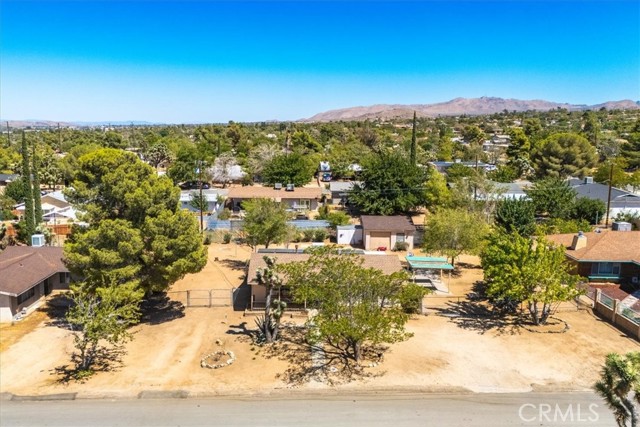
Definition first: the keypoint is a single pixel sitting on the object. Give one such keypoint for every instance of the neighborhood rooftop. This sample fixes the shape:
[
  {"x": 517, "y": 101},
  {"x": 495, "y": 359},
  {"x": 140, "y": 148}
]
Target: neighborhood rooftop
[
  {"x": 252, "y": 192},
  {"x": 22, "y": 267},
  {"x": 386, "y": 223},
  {"x": 386, "y": 263},
  {"x": 611, "y": 246}
]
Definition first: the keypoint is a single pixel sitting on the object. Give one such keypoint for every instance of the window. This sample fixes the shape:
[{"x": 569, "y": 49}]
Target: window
[
  {"x": 63, "y": 278},
  {"x": 26, "y": 295},
  {"x": 605, "y": 268},
  {"x": 400, "y": 238}
]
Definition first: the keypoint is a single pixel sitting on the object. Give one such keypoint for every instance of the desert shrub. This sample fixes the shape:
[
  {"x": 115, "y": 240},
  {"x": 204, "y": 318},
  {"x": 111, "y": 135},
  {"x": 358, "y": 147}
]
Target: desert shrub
[
  {"x": 207, "y": 240},
  {"x": 401, "y": 246},
  {"x": 320, "y": 234},
  {"x": 307, "y": 234},
  {"x": 225, "y": 214},
  {"x": 411, "y": 298},
  {"x": 564, "y": 226},
  {"x": 226, "y": 237},
  {"x": 323, "y": 212}
]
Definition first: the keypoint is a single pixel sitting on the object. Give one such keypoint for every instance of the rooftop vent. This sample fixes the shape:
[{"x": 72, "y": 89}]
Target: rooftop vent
[
  {"x": 289, "y": 187},
  {"x": 277, "y": 186},
  {"x": 588, "y": 180}
]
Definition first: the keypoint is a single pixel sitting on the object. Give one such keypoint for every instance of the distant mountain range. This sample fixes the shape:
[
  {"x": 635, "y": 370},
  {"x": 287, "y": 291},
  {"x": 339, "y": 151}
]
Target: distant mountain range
[
  {"x": 19, "y": 124},
  {"x": 459, "y": 106}
]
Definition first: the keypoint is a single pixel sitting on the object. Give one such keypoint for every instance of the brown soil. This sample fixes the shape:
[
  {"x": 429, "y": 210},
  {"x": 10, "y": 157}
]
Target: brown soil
[{"x": 445, "y": 352}]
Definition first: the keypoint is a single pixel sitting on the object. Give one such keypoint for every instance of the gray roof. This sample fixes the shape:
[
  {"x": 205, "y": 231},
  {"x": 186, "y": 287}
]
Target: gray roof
[
  {"x": 8, "y": 177},
  {"x": 596, "y": 190},
  {"x": 341, "y": 186},
  {"x": 386, "y": 223}
]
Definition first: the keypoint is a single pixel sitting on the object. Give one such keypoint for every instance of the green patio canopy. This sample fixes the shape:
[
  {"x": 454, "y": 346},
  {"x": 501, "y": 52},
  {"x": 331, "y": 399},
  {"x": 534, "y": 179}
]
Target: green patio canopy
[{"x": 428, "y": 263}]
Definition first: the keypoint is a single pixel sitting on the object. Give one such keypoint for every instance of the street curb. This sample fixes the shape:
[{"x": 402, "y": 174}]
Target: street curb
[
  {"x": 5, "y": 396},
  {"x": 163, "y": 394},
  {"x": 45, "y": 397}
]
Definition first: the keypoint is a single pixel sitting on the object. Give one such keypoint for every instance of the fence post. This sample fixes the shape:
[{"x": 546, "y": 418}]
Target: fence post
[
  {"x": 210, "y": 290},
  {"x": 615, "y": 311},
  {"x": 188, "y": 298}
]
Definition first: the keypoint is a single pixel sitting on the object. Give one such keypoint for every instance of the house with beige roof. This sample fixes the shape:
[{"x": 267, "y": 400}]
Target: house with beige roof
[
  {"x": 388, "y": 264},
  {"x": 604, "y": 256},
  {"x": 27, "y": 275},
  {"x": 299, "y": 199}
]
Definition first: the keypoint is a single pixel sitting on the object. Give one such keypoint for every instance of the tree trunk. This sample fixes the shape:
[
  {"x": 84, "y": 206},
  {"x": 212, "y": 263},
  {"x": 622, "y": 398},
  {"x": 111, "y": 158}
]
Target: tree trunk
[
  {"x": 357, "y": 351},
  {"x": 533, "y": 310},
  {"x": 546, "y": 312}
]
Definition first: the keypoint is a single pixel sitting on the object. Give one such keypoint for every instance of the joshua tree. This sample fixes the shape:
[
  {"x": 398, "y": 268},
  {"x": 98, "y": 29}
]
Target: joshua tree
[{"x": 619, "y": 385}]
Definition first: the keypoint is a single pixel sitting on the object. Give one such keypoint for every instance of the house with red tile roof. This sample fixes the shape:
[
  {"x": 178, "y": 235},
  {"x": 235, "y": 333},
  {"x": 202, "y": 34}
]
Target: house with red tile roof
[{"x": 27, "y": 275}]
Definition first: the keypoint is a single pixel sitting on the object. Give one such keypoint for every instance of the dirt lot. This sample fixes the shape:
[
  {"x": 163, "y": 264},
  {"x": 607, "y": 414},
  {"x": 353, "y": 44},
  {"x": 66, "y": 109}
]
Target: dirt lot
[{"x": 444, "y": 353}]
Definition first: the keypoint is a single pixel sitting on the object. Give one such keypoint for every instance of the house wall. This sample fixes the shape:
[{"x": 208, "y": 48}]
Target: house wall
[
  {"x": 627, "y": 270},
  {"x": 259, "y": 293},
  {"x": 212, "y": 206},
  {"x": 313, "y": 203},
  {"x": 9, "y": 306},
  {"x": 385, "y": 238},
  {"x": 349, "y": 235}
]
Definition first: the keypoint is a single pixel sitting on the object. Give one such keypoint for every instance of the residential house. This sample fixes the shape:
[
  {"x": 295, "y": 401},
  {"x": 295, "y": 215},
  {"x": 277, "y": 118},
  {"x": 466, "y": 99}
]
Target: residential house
[
  {"x": 299, "y": 199},
  {"x": 385, "y": 231},
  {"x": 496, "y": 143},
  {"x": 6, "y": 178},
  {"x": 388, "y": 264},
  {"x": 605, "y": 256},
  {"x": 442, "y": 166},
  {"x": 212, "y": 195},
  {"x": 621, "y": 201},
  {"x": 340, "y": 191},
  {"x": 502, "y": 190},
  {"x": 27, "y": 275}
]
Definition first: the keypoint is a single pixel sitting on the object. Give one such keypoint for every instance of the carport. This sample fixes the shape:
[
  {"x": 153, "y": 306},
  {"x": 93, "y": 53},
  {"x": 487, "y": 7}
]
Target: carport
[{"x": 428, "y": 271}]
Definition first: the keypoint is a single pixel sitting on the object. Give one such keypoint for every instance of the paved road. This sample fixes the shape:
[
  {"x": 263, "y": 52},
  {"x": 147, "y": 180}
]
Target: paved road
[{"x": 486, "y": 410}]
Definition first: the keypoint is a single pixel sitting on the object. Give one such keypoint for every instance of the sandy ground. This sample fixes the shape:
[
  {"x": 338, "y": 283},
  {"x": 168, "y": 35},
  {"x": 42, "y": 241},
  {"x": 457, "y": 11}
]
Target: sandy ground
[{"x": 445, "y": 353}]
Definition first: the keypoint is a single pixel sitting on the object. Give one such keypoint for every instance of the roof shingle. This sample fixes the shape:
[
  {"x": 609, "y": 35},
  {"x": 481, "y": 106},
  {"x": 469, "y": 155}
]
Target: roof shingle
[
  {"x": 619, "y": 246},
  {"x": 22, "y": 267},
  {"x": 386, "y": 223}
]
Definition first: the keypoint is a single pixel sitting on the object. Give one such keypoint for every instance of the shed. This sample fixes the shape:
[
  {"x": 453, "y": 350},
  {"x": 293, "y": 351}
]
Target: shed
[{"x": 386, "y": 231}]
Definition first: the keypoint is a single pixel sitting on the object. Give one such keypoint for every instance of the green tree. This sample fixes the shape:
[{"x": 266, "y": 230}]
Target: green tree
[
  {"x": 198, "y": 202},
  {"x": 291, "y": 168},
  {"x": 357, "y": 306},
  {"x": 452, "y": 232},
  {"x": 98, "y": 319},
  {"x": 562, "y": 155},
  {"x": 586, "y": 209},
  {"x": 37, "y": 197},
  {"x": 516, "y": 216},
  {"x": 157, "y": 154},
  {"x": 552, "y": 196},
  {"x": 412, "y": 154},
  {"x": 619, "y": 178},
  {"x": 137, "y": 233},
  {"x": 265, "y": 222},
  {"x": 619, "y": 386},
  {"x": 519, "y": 269},
  {"x": 29, "y": 209},
  {"x": 630, "y": 150},
  {"x": 389, "y": 184},
  {"x": 437, "y": 194}
]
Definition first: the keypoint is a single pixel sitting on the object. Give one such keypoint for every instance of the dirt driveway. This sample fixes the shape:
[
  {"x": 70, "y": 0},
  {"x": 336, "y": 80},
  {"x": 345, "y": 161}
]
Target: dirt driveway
[{"x": 443, "y": 353}]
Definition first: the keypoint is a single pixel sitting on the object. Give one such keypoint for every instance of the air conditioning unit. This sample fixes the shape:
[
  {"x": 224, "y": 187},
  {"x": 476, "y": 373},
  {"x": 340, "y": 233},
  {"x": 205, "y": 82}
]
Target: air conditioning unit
[
  {"x": 37, "y": 240},
  {"x": 277, "y": 186},
  {"x": 289, "y": 187}
]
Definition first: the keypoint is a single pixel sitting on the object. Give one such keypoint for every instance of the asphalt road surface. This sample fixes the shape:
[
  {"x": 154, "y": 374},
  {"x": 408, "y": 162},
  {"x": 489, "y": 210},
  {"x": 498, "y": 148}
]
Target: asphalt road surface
[{"x": 397, "y": 410}]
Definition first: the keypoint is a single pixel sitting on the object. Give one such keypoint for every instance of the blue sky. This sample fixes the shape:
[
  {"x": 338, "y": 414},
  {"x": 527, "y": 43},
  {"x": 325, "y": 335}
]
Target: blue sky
[{"x": 211, "y": 61}]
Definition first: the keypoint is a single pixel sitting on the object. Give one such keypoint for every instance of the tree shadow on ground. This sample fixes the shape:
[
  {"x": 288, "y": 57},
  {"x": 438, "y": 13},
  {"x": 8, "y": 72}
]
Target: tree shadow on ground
[
  {"x": 330, "y": 365},
  {"x": 234, "y": 264},
  {"x": 107, "y": 359},
  {"x": 56, "y": 309},
  {"x": 241, "y": 297},
  {"x": 159, "y": 308},
  {"x": 477, "y": 314}
]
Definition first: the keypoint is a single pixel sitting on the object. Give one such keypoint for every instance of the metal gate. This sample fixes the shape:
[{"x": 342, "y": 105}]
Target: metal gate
[{"x": 203, "y": 297}]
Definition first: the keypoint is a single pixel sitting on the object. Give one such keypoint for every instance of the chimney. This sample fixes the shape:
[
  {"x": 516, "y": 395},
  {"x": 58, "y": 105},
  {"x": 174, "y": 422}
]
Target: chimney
[
  {"x": 588, "y": 180},
  {"x": 579, "y": 241}
]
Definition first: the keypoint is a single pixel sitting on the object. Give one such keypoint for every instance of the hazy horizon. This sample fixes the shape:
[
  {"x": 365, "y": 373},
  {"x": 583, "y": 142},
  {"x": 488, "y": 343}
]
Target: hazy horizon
[{"x": 205, "y": 61}]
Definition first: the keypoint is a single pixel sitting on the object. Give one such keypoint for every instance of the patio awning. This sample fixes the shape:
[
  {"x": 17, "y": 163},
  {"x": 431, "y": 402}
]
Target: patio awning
[{"x": 428, "y": 263}]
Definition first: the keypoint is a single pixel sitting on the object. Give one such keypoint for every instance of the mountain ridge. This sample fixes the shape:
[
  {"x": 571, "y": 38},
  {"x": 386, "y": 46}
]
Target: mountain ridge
[{"x": 459, "y": 106}]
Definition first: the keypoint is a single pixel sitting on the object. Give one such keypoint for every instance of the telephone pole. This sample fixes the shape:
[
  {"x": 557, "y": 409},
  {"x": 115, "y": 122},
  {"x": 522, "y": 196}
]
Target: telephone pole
[{"x": 606, "y": 221}]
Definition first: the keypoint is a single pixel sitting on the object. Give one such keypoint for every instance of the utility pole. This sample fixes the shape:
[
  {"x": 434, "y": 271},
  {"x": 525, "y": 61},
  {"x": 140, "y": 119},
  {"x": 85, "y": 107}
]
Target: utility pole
[
  {"x": 199, "y": 164},
  {"x": 606, "y": 222}
]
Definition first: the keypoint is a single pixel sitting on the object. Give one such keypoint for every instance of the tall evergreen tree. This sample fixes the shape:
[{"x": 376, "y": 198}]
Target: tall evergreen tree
[
  {"x": 37, "y": 201},
  {"x": 412, "y": 156},
  {"x": 29, "y": 214}
]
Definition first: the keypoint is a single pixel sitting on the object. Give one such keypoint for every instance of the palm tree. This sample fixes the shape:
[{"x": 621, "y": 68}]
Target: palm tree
[{"x": 619, "y": 385}]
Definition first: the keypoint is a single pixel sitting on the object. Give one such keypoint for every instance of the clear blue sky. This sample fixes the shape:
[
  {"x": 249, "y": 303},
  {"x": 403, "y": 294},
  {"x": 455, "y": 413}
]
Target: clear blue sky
[{"x": 210, "y": 61}]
